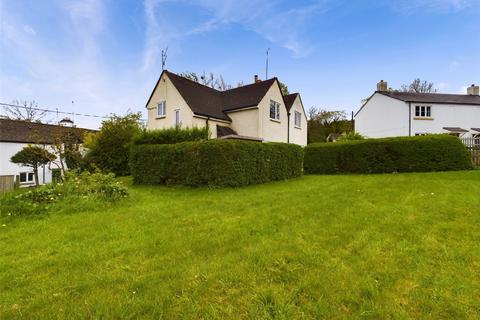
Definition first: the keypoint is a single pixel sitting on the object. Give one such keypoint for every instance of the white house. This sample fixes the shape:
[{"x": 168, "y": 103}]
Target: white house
[
  {"x": 388, "y": 113},
  {"x": 17, "y": 134},
  {"x": 257, "y": 111}
]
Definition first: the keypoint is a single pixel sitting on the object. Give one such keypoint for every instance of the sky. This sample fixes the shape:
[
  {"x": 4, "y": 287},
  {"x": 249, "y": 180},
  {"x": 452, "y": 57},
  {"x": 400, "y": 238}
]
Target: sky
[{"x": 101, "y": 57}]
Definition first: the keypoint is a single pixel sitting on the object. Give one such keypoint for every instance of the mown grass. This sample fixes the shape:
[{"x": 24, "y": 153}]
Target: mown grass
[{"x": 366, "y": 246}]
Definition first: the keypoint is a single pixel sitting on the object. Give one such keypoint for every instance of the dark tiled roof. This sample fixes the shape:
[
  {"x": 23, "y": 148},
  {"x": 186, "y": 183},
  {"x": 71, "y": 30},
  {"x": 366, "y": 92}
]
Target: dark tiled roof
[
  {"x": 433, "y": 97},
  {"x": 224, "y": 131},
  {"x": 476, "y": 129},
  {"x": 209, "y": 102},
  {"x": 289, "y": 100},
  {"x": 455, "y": 129},
  {"x": 33, "y": 132}
]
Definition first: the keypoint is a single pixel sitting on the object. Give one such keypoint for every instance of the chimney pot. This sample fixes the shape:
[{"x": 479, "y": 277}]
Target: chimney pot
[
  {"x": 256, "y": 79},
  {"x": 382, "y": 86},
  {"x": 473, "y": 90}
]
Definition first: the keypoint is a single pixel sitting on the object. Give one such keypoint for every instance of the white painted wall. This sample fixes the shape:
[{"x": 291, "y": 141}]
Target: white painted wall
[
  {"x": 383, "y": 116},
  {"x": 272, "y": 130},
  {"x": 7, "y": 150},
  {"x": 298, "y": 135}
]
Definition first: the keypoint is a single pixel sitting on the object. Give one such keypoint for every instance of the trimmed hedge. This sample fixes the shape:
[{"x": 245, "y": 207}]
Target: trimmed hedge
[
  {"x": 171, "y": 135},
  {"x": 228, "y": 163},
  {"x": 400, "y": 154}
]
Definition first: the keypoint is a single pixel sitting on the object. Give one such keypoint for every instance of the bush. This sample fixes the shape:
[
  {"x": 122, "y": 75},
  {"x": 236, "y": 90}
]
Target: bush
[
  {"x": 401, "y": 154},
  {"x": 75, "y": 190},
  {"x": 109, "y": 148},
  {"x": 171, "y": 135},
  {"x": 215, "y": 163}
]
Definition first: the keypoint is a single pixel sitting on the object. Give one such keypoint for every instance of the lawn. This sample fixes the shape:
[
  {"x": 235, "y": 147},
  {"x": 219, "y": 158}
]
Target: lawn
[{"x": 351, "y": 246}]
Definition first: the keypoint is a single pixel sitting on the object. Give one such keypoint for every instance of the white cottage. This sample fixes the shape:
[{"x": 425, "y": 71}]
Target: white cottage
[
  {"x": 17, "y": 134},
  {"x": 389, "y": 113}
]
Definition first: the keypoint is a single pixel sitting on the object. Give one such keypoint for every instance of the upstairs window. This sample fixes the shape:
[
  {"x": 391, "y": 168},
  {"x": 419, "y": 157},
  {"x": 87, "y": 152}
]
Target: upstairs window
[
  {"x": 161, "y": 106},
  {"x": 274, "y": 110},
  {"x": 423, "y": 111},
  {"x": 298, "y": 119}
]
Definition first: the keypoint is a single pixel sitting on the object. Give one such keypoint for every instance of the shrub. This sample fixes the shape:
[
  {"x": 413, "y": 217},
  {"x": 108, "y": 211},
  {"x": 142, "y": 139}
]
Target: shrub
[
  {"x": 401, "y": 154},
  {"x": 75, "y": 190},
  {"x": 215, "y": 163},
  {"x": 109, "y": 148},
  {"x": 171, "y": 135}
]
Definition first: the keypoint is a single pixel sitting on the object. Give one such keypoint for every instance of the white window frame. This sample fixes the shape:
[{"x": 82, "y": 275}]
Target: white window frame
[
  {"x": 423, "y": 111},
  {"x": 27, "y": 177},
  {"x": 162, "y": 106},
  {"x": 297, "y": 115},
  {"x": 276, "y": 105},
  {"x": 177, "y": 117},
  {"x": 421, "y": 134}
]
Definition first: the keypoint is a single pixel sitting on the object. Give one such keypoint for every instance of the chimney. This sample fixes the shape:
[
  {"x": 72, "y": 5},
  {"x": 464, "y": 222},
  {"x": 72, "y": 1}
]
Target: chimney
[
  {"x": 256, "y": 79},
  {"x": 473, "y": 90},
  {"x": 66, "y": 122},
  {"x": 382, "y": 86}
]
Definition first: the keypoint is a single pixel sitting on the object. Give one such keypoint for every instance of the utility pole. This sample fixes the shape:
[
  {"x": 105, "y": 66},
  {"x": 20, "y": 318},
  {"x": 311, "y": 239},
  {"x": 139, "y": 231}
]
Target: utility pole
[
  {"x": 266, "y": 64},
  {"x": 164, "y": 57}
]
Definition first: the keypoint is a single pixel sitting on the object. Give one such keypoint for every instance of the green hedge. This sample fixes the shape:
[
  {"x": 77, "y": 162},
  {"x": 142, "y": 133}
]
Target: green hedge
[
  {"x": 171, "y": 135},
  {"x": 227, "y": 163},
  {"x": 401, "y": 154}
]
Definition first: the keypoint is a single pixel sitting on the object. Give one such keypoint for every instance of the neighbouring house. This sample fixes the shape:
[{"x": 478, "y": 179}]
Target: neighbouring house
[
  {"x": 17, "y": 134},
  {"x": 257, "y": 111},
  {"x": 390, "y": 113}
]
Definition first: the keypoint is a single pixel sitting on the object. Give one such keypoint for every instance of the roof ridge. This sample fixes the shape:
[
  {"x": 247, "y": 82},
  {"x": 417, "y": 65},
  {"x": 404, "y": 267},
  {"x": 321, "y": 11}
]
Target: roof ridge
[
  {"x": 194, "y": 82},
  {"x": 42, "y": 124},
  {"x": 251, "y": 84},
  {"x": 447, "y": 94}
]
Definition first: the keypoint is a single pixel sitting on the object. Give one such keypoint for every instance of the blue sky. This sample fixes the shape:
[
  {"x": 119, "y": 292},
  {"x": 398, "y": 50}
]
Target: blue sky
[{"x": 105, "y": 55}]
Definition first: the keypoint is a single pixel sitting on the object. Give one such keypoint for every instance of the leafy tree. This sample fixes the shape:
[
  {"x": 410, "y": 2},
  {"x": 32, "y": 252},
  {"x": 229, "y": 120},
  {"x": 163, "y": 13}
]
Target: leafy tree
[
  {"x": 419, "y": 86},
  {"x": 351, "y": 136},
  {"x": 321, "y": 123},
  {"x": 33, "y": 156},
  {"x": 284, "y": 88},
  {"x": 24, "y": 110},
  {"x": 109, "y": 148}
]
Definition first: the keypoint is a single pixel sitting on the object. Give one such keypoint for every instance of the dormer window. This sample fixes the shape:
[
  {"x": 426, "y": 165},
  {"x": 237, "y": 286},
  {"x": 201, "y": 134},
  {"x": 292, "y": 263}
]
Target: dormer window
[
  {"x": 423, "y": 111},
  {"x": 161, "y": 106},
  {"x": 274, "y": 110}
]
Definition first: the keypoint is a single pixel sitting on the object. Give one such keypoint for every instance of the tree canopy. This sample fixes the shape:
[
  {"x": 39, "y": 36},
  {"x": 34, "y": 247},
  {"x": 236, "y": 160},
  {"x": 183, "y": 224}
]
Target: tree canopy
[{"x": 33, "y": 156}]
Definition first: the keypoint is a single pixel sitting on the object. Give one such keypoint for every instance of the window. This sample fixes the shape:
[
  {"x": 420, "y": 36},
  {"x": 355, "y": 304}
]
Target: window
[
  {"x": 26, "y": 177},
  {"x": 423, "y": 111},
  {"x": 177, "y": 117},
  {"x": 298, "y": 119},
  {"x": 274, "y": 110},
  {"x": 421, "y": 134},
  {"x": 161, "y": 108}
]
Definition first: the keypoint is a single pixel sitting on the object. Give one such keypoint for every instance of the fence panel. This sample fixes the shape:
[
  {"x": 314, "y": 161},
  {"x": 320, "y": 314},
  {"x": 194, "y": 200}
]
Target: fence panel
[
  {"x": 473, "y": 145},
  {"x": 7, "y": 183}
]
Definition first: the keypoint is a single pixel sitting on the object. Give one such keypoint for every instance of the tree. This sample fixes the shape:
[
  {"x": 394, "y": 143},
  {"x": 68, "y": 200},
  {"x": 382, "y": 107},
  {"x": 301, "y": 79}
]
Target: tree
[
  {"x": 109, "y": 148},
  {"x": 419, "y": 86},
  {"x": 283, "y": 88},
  {"x": 210, "y": 80},
  {"x": 24, "y": 110},
  {"x": 65, "y": 141},
  {"x": 322, "y": 122},
  {"x": 33, "y": 156}
]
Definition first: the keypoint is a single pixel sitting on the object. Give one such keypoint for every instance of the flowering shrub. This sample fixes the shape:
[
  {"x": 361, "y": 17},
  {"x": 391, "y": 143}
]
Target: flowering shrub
[{"x": 75, "y": 189}]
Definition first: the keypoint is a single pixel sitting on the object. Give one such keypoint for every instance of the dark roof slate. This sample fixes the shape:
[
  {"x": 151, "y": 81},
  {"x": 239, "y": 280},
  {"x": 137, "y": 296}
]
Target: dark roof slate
[
  {"x": 209, "y": 102},
  {"x": 33, "y": 132},
  {"x": 224, "y": 131},
  {"x": 289, "y": 100},
  {"x": 433, "y": 97}
]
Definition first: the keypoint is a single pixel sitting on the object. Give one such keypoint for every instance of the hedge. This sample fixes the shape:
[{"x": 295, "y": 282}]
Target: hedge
[
  {"x": 400, "y": 154},
  {"x": 171, "y": 135},
  {"x": 228, "y": 163}
]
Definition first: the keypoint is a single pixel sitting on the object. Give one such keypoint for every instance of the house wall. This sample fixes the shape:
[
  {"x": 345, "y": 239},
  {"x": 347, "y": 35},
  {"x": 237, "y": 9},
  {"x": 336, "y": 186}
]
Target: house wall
[
  {"x": 298, "y": 135},
  {"x": 272, "y": 130},
  {"x": 447, "y": 115},
  {"x": 245, "y": 122},
  {"x": 201, "y": 122},
  {"x": 7, "y": 150},
  {"x": 165, "y": 90},
  {"x": 382, "y": 116}
]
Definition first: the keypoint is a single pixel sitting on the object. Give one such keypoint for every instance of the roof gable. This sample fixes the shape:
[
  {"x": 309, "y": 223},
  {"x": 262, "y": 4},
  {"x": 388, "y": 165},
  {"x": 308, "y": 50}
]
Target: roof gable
[{"x": 209, "y": 102}]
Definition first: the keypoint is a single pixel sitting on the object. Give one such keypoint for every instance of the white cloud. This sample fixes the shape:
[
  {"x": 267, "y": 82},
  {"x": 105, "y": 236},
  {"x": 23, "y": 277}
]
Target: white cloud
[
  {"x": 439, "y": 6},
  {"x": 30, "y": 30}
]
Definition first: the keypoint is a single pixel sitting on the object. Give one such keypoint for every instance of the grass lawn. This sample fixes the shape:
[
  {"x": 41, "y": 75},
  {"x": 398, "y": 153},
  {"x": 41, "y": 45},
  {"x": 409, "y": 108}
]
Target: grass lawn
[{"x": 364, "y": 246}]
